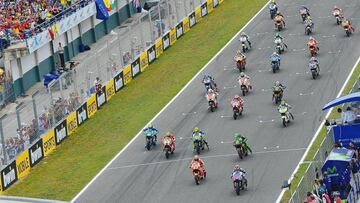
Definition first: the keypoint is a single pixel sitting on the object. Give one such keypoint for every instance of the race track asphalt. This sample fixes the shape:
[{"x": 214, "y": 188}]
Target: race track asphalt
[{"x": 138, "y": 175}]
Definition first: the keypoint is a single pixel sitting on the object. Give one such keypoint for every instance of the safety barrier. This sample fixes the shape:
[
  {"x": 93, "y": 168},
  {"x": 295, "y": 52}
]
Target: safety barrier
[{"x": 42, "y": 147}]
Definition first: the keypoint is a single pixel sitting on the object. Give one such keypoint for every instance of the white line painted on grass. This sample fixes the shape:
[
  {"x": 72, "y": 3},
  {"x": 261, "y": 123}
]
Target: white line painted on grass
[
  {"x": 317, "y": 132},
  {"x": 205, "y": 157},
  {"x": 168, "y": 104}
]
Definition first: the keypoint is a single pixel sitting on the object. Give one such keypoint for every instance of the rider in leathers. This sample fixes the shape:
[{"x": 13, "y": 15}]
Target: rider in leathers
[{"x": 196, "y": 132}]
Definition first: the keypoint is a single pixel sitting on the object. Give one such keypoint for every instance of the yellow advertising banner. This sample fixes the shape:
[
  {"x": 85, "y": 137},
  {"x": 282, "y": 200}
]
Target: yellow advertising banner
[
  {"x": 198, "y": 14},
  {"x": 220, "y": 1},
  {"x": 48, "y": 142},
  {"x": 127, "y": 74},
  {"x": 71, "y": 123},
  {"x": 23, "y": 164},
  {"x": 158, "y": 47},
  {"x": 186, "y": 25},
  {"x": 144, "y": 63},
  {"x": 110, "y": 89},
  {"x": 172, "y": 36},
  {"x": 210, "y": 6},
  {"x": 91, "y": 105}
]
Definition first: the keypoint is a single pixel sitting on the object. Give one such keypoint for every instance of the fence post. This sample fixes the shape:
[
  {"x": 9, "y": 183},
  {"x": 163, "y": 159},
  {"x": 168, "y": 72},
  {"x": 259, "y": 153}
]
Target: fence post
[
  {"x": 141, "y": 35},
  {"x": 18, "y": 115},
  {"x": 3, "y": 140},
  {"x": 120, "y": 51},
  {"x": 168, "y": 13},
  {"x": 37, "y": 131},
  {"x": 151, "y": 27},
  {"x": 161, "y": 27}
]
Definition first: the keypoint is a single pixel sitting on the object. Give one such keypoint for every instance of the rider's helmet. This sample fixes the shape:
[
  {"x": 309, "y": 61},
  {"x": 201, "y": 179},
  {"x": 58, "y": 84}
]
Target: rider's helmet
[
  {"x": 313, "y": 58},
  {"x": 308, "y": 17},
  {"x": 277, "y": 12},
  {"x": 277, "y": 34},
  {"x": 282, "y": 103},
  {"x": 237, "y": 135},
  {"x": 336, "y": 7},
  {"x": 168, "y": 134},
  {"x": 236, "y": 97},
  {"x": 243, "y": 34},
  {"x": 237, "y": 167},
  {"x": 210, "y": 91},
  {"x": 196, "y": 129},
  {"x": 150, "y": 126},
  {"x": 274, "y": 53},
  {"x": 242, "y": 74},
  {"x": 196, "y": 158},
  {"x": 277, "y": 83},
  {"x": 311, "y": 38}
]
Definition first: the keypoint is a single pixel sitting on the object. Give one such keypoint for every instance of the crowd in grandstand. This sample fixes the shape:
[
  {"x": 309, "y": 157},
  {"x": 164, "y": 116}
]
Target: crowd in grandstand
[{"x": 20, "y": 19}]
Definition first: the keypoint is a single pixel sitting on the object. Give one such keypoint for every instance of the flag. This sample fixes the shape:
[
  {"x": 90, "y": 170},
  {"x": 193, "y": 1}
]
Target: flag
[
  {"x": 101, "y": 11},
  {"x": 56, "y": 30},
  {"x": 113, "y": 4},
  {"x": 107, "y": 4},
  {"x": 51, "y": 33}
]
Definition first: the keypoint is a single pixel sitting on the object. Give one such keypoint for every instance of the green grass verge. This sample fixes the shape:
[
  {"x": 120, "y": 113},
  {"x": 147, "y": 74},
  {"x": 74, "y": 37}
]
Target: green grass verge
[
  {"x": 315, "y": 146},
  {"x": 64, "y": 173}
]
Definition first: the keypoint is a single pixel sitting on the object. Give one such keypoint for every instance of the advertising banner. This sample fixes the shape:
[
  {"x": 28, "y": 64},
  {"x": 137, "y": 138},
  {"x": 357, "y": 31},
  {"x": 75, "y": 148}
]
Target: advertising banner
[
  {"x": 215, "y": 3},
  {"x": 71, "y": 123},
  {"x": 186, "y": 25},
  {"x": 48, "y": 142},
  {"x": 81, "y": 114},
  {"x": 172, "y": 36},
  {"x": 204, "y": 10},
  {"x": 135, "y": 67},
  {"x": 119, "y": 82},
  {"x": 101, "y": 97},
  {"x": 60, "y": 27},
  {"x": 23, "y": 164},
  {"x": 60, "y": 132},
  {"x": 110, "y": 89},
  {"x": 192, "y": 19},
  {"x": 8, "y": 176},
  {"x": 36, "y": 153},
  {"x": 158, "y": 47},
  {"x": 179, "y": 30},
  {"x": 144, "y": 63},
  {"x": 151, "y": 54},
  {"x": 166, "y": 41},
  {"x": 210, "y": 6},
  {"x": 127, "y": 74},
  {"x": 91, "y": 105},
  {"x": 198, "y": 14}
]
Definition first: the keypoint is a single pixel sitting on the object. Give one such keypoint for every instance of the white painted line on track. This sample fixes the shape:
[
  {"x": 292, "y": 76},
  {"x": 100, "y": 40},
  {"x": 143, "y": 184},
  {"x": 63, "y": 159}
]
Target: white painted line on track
[
  {"x": 230, "y": 87},
  {"x": 190, "y": 113},
  {"x": 306, "y": 94},
  {"x": 266, "y": 121},
  {"x": 205, "y": 157},
  {"x": 226, "y": 142},
  {"x": 223, "y": 116},
  {"x": 317, "y": 132},
  {"x": 266, "y": 90},
  {"x": 276, "y": 147},
  {"x": 334, "y": 52},
  {"x": 170, "y": 102},
  {"x": 234, "y": 68}
]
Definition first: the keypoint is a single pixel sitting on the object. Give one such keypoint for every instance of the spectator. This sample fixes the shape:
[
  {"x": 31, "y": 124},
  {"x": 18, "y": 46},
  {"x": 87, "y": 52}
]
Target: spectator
[
  {"x": 337, "y": 197},
  {"x": 61, "y": 55},
  {"x": 349, "y": 116},
  {"x": 355, "y": 148},
  {"x": 325, "y": 198}
]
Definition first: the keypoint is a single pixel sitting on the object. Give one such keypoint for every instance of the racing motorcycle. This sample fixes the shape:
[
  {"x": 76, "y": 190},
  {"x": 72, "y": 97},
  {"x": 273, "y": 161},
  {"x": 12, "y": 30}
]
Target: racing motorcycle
[
  {"x": 237, "y": 108},
  {"x": 211, "y": 100},
  {"x": 243, "y": 41},
  {"x": 303, "y": 14},
  {"x": 348, "y": 30},
  {"x": 241, "y": 150},
  {"x": 273, "y": 8},
  {"x": 337, "y": 16},
  {"x": 240, "y": 63},
  {"x": 198, "y": 172},
  {"x": 277, "y": 95},
  {"x": 313, "y": 50},
  {"x": 275, "y": 65},
  {"x": 150, "y": 141},
  {"x": 244, "y": 85},
  {"x": 199, "y": 145},
  {"x": 279, "y": 46},
  {"x": 167, "y": 143},
  {"x": 279, "y": 25},
  {"x": 239, "y": 182},
  {"x": 285, "y": 115},
  {"x": 315, "y": 70}
]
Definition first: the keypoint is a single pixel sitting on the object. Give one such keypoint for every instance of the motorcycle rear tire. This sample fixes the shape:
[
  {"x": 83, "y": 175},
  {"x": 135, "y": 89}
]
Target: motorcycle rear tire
[
  {"x": 211, "y": 108},
  {"x": 198, "y": 149},
  {"x": 197, "y": 181},
  {"x": 148, "y": 146},
  {"x": 314, "y": 75},
  {"x": 284, "y": 122},
  {"x": 348, "y": 33},
  {"x": 244, "y": 49},
  {"x": 240, "y": 154},
  {"x": 243, "y": 92},
  {"x": 167, "y": 154}
]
